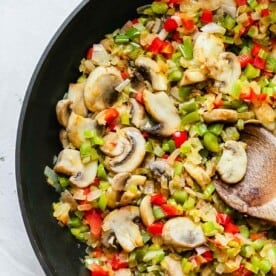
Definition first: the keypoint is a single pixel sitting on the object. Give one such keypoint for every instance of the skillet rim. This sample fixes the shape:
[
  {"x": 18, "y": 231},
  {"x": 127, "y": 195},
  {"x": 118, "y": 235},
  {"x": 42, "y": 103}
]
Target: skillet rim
[{"x": 32, "y": 235}]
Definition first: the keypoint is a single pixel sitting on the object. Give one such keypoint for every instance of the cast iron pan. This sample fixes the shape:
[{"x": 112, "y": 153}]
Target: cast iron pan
[{"x": 37, "y": 139}]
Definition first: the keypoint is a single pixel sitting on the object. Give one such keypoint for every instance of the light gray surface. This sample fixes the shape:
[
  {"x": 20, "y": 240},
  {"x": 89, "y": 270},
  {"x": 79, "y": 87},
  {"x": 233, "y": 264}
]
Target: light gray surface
[{"x": 26, "y": 27}]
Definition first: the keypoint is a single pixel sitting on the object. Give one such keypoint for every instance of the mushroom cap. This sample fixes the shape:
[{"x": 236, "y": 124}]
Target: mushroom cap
[
  {"x": 99, "y": 89},
  {"x": 63, "y": 109},
  {"x": 146, "y": 211},
  {"x": 183, "y": 232},
  {"x": 226, "y": 71},
  {"x": 68, "y": 162},
  {"x": 162, "y": 109},
  {"x": 255, "y": 195},
  {"x": 85, "y": 177},
  {"x": 220, "y": 115},
  {"x": 193, "y": 75},
  {"x": 76, "y": 127},
  {"x": 120, "y": 221},
  {"x": 157, "y": 78},
  {"x": 233, "y": 162},
  {"x": 133, "y": 151},
  {"x": 75, "y": 94}
]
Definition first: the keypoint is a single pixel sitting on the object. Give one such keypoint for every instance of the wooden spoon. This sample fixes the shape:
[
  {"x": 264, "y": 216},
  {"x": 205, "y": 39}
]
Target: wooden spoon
[{"x": 255, "y": 195}]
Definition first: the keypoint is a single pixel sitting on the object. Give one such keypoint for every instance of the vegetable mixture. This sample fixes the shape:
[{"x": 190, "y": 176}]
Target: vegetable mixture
[{"x": 153, "y": 120}]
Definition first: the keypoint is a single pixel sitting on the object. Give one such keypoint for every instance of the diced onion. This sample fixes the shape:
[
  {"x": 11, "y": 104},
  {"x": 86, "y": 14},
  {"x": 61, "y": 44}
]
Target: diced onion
[
  {"x": 213, "y": 28},
  {"x": 100, "y": 55},
  {"x": 122, "y": 85},
  {"x": 229, "y": 7}
]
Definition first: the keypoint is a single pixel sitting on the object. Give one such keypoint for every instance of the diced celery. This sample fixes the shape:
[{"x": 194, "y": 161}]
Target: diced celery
[
  {"x": 209, "y": 228},
  {"x": 247, "y": 251},
  {"x": 244, "y": 231},
  {"x": 229, "y": 22},
  {"x": 188, "y": 107},
  {"x": 251, "y": 72},
  {"x": 159, "y": 7},
  {"x": 216, "y": 128},
  {"x": 175, "y": 75},
  {"x": 187, "y": 266},
  {"x": 230, "y": 133},
  {"x": 209, "y": 190},
  {"x": 191, "y": 118},
  {"x": 104, "y": 185},
  {"x": 124, "y": 118},
  {"x": 186, "y": 48},
  {"x": 258, "y": 244},
  {"x": 211, "y": 142},
  {"x": 158, "y": 151},
  {"x": 253, "y": 31},
  {"x": 63, "y": 181},
  {"x": 184, "y": 92},
  {"x": 133, "y": 32},
  {"x": 102, "y": 202},
  {"x": 189, "y": 203},
  {"x": 158, "y": 213},
  {"x": 121, "y": 39},
  {"x": 265, "y": 265},
  {"x": 74, "y": 222},
  {"x": 156, "y": 256},
  {"x": 180, "y": 196},
  {"x": 101, "y": 173}
]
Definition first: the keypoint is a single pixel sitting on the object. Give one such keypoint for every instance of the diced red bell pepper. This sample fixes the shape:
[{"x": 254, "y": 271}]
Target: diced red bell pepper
[
  {"x": 97, "y": 270},
  {"x": 96, "y": 181},
  {"x": 110, "y": 115},
  {"x": 256, "y": 49},
  {"x": 223, "y": 219},
  {"x": 156, "y": 229},
  {"x": 265, "y": 12},
  {"x": 170, "y": 25},
  {"x": 249, "y": 97},
  {"x": 231, "y": 228},
  {"x": 167, "y": 49},
  {"x": 139, "y": 97},
  {"x": 188, "y": 24},
  {"x": 259, "y": 62},
  {"x": 174, "y": 2},
  {"x": 158, "y": 199},
  {"x": 134, "y": 21},
  {"x": 180, "y": 137},
  {"x": 117, "y": 263},
  {"x": 242, "y": 271},
  {"x": 89, "y": 53},
  {"x": 206, "y": 16},
  {"x": 169, "y": 210},
  {"x": 218, "y": 102},
  {"x": 95, "y": 222},
  {"x": 241, "y": 2},
  {"x": 156, "y": 45},
  {"x": 124, "y": 74},
  {"x": 208, "y": 256},
  {"x": 176, "y": 37},
  {"x": 145, "y": 134},
  {"x": 257, "y": 236},
  {"x": 262, "y": 97},
  {"x": 245, "y": 60}
]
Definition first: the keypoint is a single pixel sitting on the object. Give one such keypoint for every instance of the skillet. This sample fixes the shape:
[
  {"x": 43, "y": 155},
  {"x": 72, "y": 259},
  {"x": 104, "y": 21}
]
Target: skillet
[{"x": 37, "y": 138}]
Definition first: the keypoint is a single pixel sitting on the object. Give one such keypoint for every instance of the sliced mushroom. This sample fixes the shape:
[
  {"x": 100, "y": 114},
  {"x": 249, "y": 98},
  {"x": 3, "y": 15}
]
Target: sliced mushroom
[
  {"x": 85, "y": 177},
  {"x": 63, "y": 111},
  {"x": 63, "y": 138},
  {"x": 133, "y": 151},
  {"x": 120, "y": 221},
  {"x": 207, "y": 48},
  {"x": 161, "y": 170},
  {"x": 233, "y": 162},
  {"x": 255, "y": 194},
  {"x": 197, "y": 173},
  {"x": 113, "y": 146},
  {"x": 68, "y": 162},
  {"x": 151, "y": 68},
  {"x": 75, "y": 94},
  {"x": 226, "y": 71},
  {"x": 220, "y": 115},
  {"x": 99, "y": 90},
  {"x": 128, "y": 197},
  {"x": 172, "y": 266},
  {"x": 193, "y": 75},
  {"x": 183, "y": 232},
  {"x": 229, "y": 7},
  {"x": 162, "y": 109},
  {"x": 209, "y": 4},
  {"x": 76, "y": 127},
  {"x": 146, "y": 211},
  {"x": 266, "y": 115},
  {"x": 119, "y": 180},
  {"x": 138, "y": 113}
]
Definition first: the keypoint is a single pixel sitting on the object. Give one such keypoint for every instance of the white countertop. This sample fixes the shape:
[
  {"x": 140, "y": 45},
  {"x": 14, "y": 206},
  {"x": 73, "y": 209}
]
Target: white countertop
[{"x": 26, "y": 27}]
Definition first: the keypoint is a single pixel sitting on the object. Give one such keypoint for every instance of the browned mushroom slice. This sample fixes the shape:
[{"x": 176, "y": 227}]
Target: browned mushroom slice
[
  {"x": 63, "y": 111},
  {"x": 183, "y": 232},
  {"x": 157, "y": 78},
  {"x": 120, "y": 222},
  {"x": 255, "y": 195},
  {"x": 220, "y": 115},
  {"x": 99, "y": 90},
  {"x": 132, "y": 154},
  {"x": 161, "y": 108},
  {"x": 146, "y": 211},
  {"x": 75, "y": 94},
  {"x": 172, "y": 266},
  {"x": 76, "y": 127}
]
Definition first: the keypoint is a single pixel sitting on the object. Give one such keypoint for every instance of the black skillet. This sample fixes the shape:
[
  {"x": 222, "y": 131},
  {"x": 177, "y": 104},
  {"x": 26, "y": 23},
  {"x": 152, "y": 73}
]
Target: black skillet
[{"x": 37, "y": 139}]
